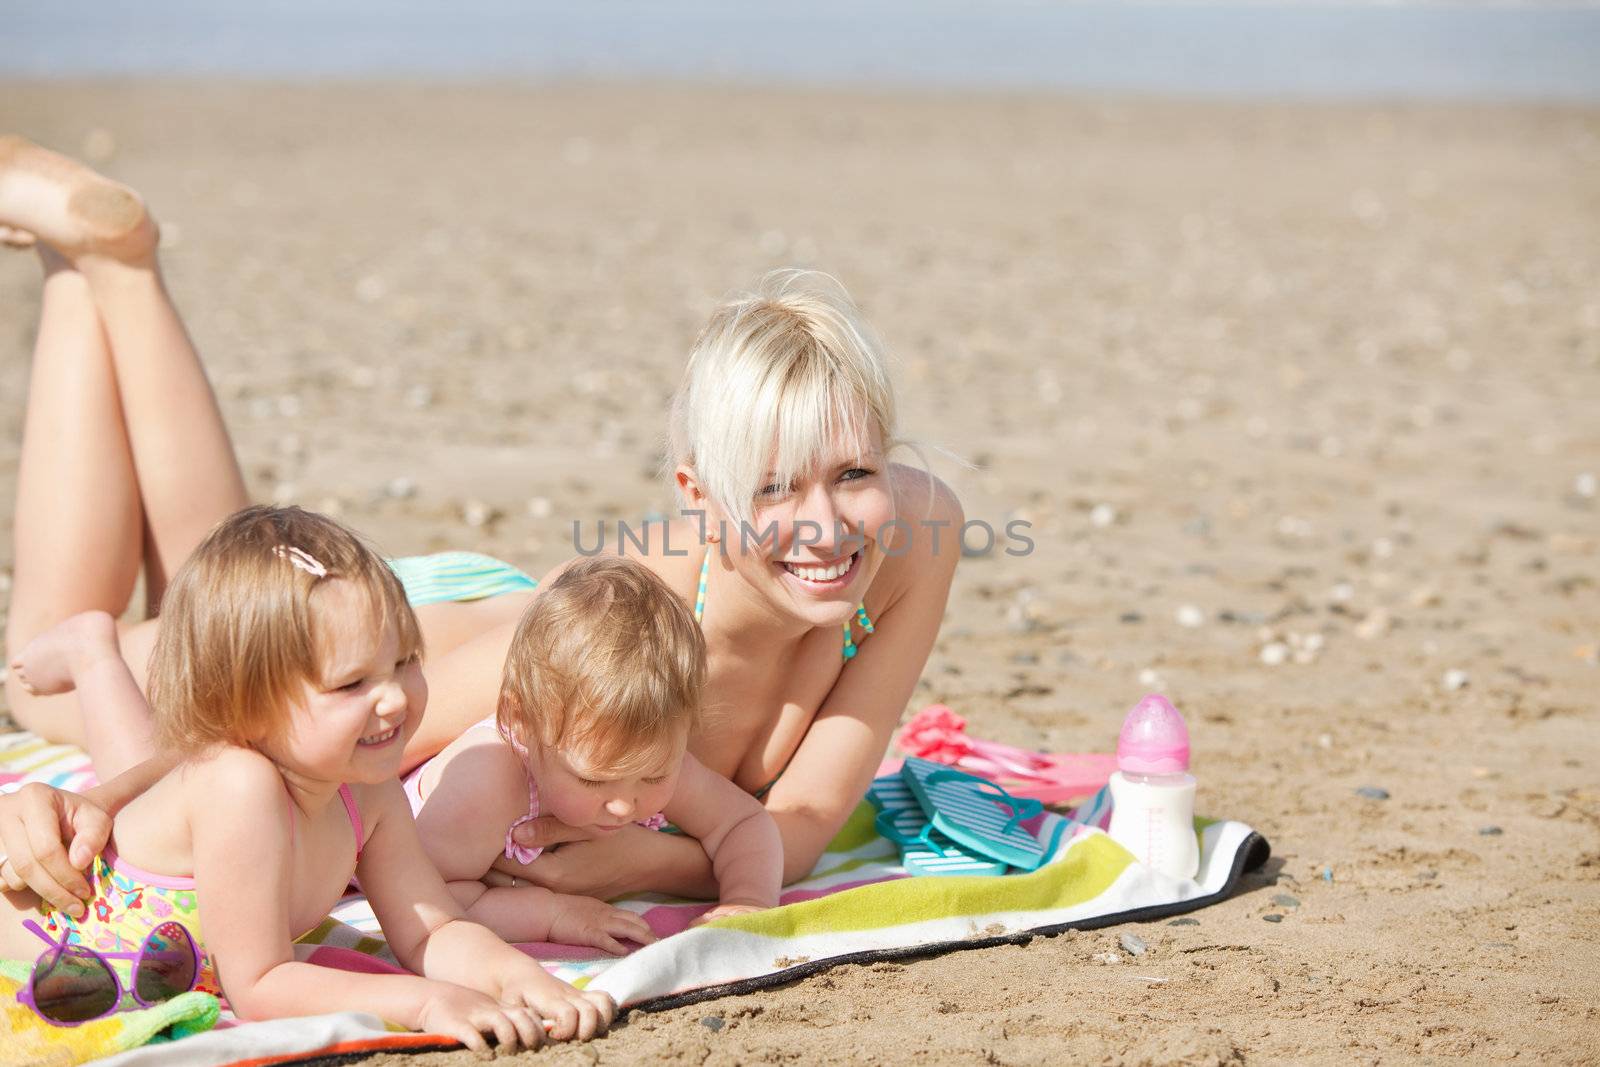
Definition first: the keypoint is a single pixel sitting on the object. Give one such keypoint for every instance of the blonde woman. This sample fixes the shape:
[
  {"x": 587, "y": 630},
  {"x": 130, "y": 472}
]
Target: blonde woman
[{"x": 811, "y": 561}]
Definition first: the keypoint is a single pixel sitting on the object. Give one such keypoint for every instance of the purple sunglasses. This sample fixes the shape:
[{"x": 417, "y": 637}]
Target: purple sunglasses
[{"x": 71, "y": 985}]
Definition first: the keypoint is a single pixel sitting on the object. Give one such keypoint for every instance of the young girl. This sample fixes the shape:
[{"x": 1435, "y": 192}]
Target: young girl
[
  {"x": 601, "y": 688},
  {"x": 286, "y": 674}
]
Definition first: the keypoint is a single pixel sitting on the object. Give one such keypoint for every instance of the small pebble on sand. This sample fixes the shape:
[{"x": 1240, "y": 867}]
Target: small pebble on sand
[
  {"x": 1151, "y": 678},
  {"x": 539, "y": 507},
  {"x": 1272, "y": 918},
  {"x": 1374, "y": 625},
  {"x": 1490, "y": 831},
  {"x": 419, "y": 397},
  {"x": 401, "y": 488},
  {"x": 1106, "y": 957},
  {"x": 1284, "y": 900},
  {"x": 1585, "y": 485},
  {"x": 1455, "y": 680},
  {"x": 1186, "y": 921},
  {"x": 1274, "y": 654},
  {"x": 476, "y": 514},
  {"x": 1190, "y": 616},
  {"x": 1133, "y": 944},
  {"x": 1102, "y": 515},
  {"x": 1327, "y": 874},
  {"x": 712, "y": 1023},
  {"x": 1373, "y": 792}
]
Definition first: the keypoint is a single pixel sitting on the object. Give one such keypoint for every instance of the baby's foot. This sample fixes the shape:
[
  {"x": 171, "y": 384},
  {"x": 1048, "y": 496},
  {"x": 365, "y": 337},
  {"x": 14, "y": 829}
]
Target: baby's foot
[
  {"x": 65, "y": 204},
  {"x": 53, "y": 661}
]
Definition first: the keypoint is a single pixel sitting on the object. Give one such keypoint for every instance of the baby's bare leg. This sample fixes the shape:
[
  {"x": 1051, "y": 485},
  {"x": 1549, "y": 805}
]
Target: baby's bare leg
[{"x": 84, "y": 654}]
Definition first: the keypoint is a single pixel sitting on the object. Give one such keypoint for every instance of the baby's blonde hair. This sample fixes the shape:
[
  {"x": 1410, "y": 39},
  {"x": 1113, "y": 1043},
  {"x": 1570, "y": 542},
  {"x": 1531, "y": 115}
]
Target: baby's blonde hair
[
  {"x": 606, "y": 661},
  {"x": 792, "y": 367},
  {"x": 238, "y": 634}
]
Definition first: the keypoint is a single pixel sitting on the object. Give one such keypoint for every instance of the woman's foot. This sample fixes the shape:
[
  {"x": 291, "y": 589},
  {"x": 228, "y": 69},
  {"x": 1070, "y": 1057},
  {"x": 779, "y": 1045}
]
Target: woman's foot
[
  {"x": 53, "y": 661},
  {"x": 61, "y": 202}
]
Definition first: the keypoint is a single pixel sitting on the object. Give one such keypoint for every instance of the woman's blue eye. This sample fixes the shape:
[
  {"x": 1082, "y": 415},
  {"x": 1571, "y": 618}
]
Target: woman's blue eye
[
  {"x": 351, "y": 687},
  {"x": 855, "y": 474}
]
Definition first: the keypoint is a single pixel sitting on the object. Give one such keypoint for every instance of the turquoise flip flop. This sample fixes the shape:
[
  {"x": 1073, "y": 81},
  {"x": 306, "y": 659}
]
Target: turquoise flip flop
[
  {"x": 923, "y": 850},
  {"x": 980, "y": 816}
]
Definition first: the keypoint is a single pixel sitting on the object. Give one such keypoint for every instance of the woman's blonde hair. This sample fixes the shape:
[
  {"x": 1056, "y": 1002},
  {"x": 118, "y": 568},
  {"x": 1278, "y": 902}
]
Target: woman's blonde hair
[
  {"x": 238, "y": 634},
  {"x": 608, "y": 662},
  {"x": 791, "y": 368}
]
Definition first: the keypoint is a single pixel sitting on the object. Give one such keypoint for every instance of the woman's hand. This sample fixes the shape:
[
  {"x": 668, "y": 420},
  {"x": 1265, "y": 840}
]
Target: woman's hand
[
  {"x": 547, "y": 831},
  {"x": 604, "y": 868},
  {"x": 47, "y": 837}
]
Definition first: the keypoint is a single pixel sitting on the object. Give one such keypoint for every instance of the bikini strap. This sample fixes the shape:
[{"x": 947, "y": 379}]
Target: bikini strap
[
  {"x": 700, "y": 593},
  {"x": 354, "y": 812}
]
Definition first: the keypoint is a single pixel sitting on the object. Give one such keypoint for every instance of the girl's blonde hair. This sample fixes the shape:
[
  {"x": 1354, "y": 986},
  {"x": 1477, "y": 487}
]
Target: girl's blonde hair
[
  {"x": 792, "y": 367},
  {"x": 238, "y": 634},
  {"x": 608, "y": 662}
]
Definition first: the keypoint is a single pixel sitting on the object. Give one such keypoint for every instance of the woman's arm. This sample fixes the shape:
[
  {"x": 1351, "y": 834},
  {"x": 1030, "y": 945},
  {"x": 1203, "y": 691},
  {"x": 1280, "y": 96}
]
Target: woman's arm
[
  {"x": 463, "y": 687},
  {"x": 830, "y": 771}
]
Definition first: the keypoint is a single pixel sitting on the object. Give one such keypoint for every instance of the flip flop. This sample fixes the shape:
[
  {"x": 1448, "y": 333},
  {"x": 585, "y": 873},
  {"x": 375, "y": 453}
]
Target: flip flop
[
  {"x": 979, "y": 815},
  {"x": 923, "y": 850}
]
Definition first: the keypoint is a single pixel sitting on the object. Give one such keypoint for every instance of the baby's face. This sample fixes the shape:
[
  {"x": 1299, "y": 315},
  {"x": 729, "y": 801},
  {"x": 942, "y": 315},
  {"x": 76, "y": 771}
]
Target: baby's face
[{"x": 583, "y": 795}]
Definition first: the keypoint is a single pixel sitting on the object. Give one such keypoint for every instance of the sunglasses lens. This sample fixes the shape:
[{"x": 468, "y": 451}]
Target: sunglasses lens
[
  {"x": 74, "y": 988},
  {"x": 166, "y": 965}
]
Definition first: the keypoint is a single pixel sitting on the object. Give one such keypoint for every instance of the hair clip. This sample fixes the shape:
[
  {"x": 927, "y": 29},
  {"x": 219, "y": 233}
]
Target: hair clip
[{"x": 302, "y": 559}]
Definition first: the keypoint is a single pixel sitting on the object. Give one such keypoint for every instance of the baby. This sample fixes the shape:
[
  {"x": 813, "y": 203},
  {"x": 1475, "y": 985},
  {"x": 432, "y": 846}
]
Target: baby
[{"x": 600, "y": 691}]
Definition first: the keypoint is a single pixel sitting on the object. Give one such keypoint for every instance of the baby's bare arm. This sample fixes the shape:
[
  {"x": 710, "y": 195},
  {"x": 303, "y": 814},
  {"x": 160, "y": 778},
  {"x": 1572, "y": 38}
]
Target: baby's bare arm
[{"x": 736, "y": 832}]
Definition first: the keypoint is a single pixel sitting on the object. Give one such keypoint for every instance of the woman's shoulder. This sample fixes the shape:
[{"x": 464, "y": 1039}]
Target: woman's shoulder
[{"x": 920, "y": 496}]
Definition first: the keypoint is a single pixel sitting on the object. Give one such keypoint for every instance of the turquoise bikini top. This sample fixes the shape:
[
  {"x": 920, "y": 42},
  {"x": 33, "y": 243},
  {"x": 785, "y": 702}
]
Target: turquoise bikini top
[{"x": 849, "y": 635}]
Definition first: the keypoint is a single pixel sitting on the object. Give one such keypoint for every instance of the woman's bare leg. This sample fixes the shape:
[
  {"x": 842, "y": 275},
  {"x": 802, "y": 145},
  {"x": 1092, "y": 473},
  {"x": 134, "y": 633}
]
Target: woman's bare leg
[{"x": 125, "y": 460}]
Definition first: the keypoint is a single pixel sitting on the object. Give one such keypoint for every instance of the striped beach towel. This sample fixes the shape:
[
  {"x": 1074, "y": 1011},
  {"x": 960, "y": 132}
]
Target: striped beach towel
[{"x": 858, "y": 904}]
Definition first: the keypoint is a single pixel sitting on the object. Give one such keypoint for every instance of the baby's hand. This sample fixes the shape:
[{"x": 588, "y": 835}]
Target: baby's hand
[
  {"x": 722, "y": 911},
  {"x": 587, "y": 921},
  {"x": 571, "y": 1012},
  {"x": 467, "y": 1015}
]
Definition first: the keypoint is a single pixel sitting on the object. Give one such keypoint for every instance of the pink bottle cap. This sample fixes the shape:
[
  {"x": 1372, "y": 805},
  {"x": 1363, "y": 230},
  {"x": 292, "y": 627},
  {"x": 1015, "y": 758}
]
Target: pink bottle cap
[{"x": 1154, "y": 739}]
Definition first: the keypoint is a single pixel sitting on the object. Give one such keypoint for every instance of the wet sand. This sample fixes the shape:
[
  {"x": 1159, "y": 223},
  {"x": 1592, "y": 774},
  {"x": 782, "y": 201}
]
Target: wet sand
[{"x": 1299, "y": 400}]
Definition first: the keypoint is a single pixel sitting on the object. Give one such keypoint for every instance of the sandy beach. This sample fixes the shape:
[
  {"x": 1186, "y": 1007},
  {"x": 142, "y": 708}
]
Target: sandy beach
[{"x": 1300, "y": 402}]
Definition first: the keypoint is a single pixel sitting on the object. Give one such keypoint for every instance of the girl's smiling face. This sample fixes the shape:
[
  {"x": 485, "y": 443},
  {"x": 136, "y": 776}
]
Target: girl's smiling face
[
  {"x": 600, "y": 799},
  {"x": 352, "y": 722}
]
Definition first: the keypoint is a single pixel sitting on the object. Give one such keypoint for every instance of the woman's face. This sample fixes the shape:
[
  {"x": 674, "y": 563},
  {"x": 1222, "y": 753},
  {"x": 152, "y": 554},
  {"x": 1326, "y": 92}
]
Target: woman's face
[{"x": 814, "y": 544}]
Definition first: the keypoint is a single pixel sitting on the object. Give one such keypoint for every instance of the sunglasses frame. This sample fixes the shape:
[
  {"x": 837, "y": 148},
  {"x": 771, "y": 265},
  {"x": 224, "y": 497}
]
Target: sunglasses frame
[{"x": 64, "y": 947}]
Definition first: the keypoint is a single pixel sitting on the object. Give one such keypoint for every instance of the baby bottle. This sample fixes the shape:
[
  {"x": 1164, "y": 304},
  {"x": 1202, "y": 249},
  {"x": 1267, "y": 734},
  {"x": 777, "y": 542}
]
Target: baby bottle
[{"x": 1152, "y": 791}]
